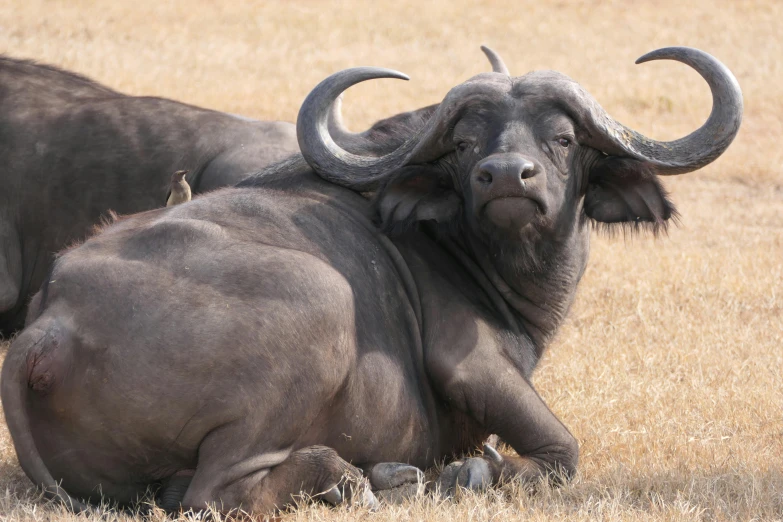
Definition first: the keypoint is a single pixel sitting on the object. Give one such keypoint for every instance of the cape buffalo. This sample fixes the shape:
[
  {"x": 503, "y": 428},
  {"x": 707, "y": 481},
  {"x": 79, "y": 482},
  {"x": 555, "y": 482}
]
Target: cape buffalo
[
  {"x": 73, "y": 149},
  {"x": 280, "y": 336}
]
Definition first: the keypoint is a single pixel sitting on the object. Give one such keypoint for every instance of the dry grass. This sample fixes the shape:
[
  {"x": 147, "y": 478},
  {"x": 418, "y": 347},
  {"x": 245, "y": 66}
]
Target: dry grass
[{"x": 670, "y": 368}]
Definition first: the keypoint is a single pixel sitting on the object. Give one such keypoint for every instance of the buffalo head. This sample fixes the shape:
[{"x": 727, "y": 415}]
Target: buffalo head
[{"x": 523, "y": 158}]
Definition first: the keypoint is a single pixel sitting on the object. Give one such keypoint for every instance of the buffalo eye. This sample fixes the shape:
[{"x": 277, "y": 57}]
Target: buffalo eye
[{"x": 564, "y": 142}]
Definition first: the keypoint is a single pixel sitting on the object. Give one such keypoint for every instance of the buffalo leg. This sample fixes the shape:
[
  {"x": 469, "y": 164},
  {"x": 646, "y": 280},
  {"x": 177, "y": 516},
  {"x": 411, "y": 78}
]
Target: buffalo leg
[
  {"x": 315, "y": 471},
  {"x": 506, "y": 404}
]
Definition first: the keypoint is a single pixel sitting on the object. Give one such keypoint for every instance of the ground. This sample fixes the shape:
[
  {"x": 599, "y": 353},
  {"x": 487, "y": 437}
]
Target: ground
[{"x": 669, "y": 369}]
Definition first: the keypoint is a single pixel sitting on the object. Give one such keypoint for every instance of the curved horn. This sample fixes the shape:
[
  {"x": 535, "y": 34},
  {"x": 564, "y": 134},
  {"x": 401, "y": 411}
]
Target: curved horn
[
  {"x": 328, "y": 159},
  {"x": 698, "y": 148},
  {"x": 353, "y": 141},
  {"x": 495, "y": 60},
  {"x": 335, "y": 122},
  {"x": 364, "y": 173}
]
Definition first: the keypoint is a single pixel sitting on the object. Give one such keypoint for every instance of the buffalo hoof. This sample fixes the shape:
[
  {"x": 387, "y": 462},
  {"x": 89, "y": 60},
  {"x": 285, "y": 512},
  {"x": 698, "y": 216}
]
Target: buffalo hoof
[
  {"x": 476, "y": 473},
  {"x": 389, "y": 475},
  {"x": 444, "y": 486},
  {"x": 395, "y": 483},
  {"x": 400, "y": 494},
  {"x": 355, "y": 492}
]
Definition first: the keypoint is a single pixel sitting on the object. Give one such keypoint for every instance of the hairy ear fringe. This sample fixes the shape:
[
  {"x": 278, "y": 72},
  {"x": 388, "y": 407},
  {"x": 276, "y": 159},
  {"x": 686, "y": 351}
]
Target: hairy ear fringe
[
  {"x": 628, "y": 198},
  {"x": 629, "y": 229}
]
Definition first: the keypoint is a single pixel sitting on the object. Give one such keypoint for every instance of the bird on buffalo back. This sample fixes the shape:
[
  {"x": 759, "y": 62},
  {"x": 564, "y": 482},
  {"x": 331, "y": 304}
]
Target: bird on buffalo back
[{"x": 179, "y": 191}]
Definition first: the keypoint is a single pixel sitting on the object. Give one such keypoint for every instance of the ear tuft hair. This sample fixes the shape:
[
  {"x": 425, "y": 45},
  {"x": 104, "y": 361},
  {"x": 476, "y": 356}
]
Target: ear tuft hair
[{"x": 625, "y": 194}]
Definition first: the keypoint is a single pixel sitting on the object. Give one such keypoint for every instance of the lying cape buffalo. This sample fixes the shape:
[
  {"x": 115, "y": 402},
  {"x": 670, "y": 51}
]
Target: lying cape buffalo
[
  {"x": 263, "y": 337},
  {"x": 74, "y": 149},
  {"x": 71, "y": 149}
]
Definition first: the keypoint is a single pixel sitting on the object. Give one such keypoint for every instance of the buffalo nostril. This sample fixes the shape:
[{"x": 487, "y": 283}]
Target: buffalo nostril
[
  {"x": 527, "y": 169},
  {"x": 484, "y": 177}
]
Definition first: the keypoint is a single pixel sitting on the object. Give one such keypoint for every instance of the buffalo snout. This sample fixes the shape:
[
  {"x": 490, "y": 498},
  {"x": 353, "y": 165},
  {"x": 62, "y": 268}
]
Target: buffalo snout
[
  {"x": 508, "y": 190},
  {"x": 505, "y": 173}
]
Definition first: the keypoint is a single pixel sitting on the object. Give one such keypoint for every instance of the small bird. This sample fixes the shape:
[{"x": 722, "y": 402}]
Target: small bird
[{"x": 179, "y": 190}]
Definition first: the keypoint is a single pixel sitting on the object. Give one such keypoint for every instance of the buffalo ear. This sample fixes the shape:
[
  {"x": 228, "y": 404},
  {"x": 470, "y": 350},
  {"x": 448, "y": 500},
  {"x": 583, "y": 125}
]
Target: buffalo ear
[
  {"x": 416, "y": 193},
  {"x": 627, "y": 191}
]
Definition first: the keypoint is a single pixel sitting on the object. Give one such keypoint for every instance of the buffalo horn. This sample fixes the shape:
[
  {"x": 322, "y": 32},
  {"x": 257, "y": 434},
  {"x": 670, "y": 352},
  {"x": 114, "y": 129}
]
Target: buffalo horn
[
  {"x": 342, "y": 135},
  {"x": 364, "y": 173},
  {"x": 495, "y": 60},
  {"x": 326, "y": 157},
  {"x": 694, "y": 150}
]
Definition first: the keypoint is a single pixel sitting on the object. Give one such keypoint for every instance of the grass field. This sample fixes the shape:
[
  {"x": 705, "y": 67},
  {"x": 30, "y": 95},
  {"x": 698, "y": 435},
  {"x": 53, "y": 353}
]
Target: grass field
[{"x": 669, "y": 370}]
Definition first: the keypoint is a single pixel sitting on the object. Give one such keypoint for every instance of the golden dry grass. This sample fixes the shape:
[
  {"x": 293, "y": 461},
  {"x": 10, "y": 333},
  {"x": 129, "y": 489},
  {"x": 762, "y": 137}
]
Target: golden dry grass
[{"x": 670, "y": 368}]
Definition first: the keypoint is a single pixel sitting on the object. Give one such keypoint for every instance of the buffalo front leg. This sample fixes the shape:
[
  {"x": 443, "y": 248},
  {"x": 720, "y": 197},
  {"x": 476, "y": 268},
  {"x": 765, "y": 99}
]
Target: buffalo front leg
[
  {"x": 316, "y": 471},
  {"x": 504, "y": 402}
]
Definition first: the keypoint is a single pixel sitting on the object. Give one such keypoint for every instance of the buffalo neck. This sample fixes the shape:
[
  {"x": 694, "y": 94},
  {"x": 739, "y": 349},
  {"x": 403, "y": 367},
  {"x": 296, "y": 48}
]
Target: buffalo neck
[{"x": 531, "y": 301}]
